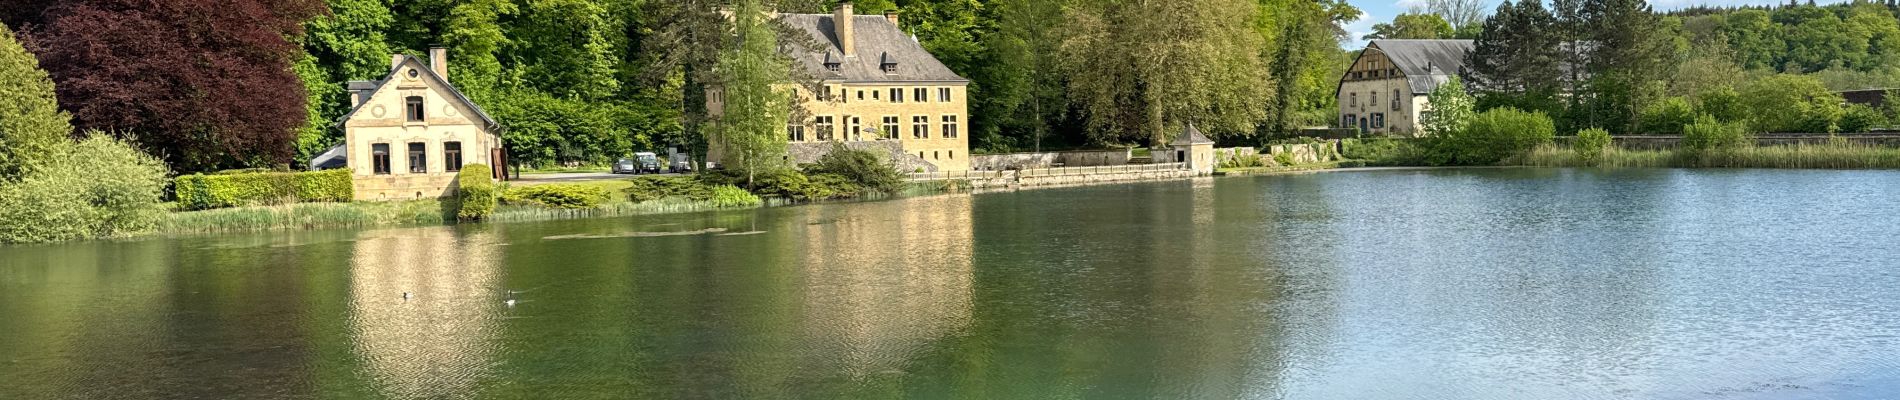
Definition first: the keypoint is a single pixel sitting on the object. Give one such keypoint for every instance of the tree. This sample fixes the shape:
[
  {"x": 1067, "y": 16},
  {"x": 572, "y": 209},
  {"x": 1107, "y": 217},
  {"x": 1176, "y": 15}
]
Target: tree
[
  {"x": 1627, "y": 53},
  {"x": 1451, "y": 108},
  {"x": 1412, "y": 26},
  {"x": 1141, "y": 71},
  {"x": 1017, "y": 96},
  {"x": 1460, "y": 13},
  {"x": 1791, "y": 103},
  {"x": 1519, "y": 53},
  {"x": 206, "y": 84},
  {"x": 31, "y": 125},
  {"x": 750, "y": 125}
]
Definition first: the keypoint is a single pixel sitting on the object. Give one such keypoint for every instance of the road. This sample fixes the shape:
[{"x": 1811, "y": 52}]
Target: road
[{"x": 543, "y": 179}]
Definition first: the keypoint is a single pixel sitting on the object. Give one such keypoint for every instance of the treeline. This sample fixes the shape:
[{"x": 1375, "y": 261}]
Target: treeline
[
  {"x": 1620, "y": 66},
  {"x": 210, "y": 85}
]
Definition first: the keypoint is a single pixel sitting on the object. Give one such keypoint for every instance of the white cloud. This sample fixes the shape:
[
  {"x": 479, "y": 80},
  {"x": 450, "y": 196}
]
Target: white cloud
[{"x": 1359, "y": 28}]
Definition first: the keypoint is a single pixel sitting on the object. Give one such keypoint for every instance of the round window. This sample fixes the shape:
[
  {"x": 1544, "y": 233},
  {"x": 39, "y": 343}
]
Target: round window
[{"x": 413, "y": 73}]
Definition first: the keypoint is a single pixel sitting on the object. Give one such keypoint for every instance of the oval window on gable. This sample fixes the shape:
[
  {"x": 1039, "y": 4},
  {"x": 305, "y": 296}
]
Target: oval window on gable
[{"x": 415, "y": 73}]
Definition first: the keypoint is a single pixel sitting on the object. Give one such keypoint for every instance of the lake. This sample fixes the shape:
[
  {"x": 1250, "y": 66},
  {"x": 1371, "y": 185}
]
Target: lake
[{"x": 1428, "y": 284}]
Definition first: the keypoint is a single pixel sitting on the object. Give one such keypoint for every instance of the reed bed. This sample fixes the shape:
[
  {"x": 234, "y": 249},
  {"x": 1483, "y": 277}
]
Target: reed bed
[
  {"x": 1800, "y": 156},
  {"x": 306, "y": 216}
]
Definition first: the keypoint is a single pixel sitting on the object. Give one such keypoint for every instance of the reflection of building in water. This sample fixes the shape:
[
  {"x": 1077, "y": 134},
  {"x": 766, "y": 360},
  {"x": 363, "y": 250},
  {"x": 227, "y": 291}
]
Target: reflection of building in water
[
  {"x": 886, "y": 280},
  {"x": 437, "y": 344}
]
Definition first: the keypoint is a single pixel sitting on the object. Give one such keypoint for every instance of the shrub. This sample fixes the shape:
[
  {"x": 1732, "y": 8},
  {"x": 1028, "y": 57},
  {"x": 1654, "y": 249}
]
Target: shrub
[
  {"x": 1861, "y": 118},
  {"x": 1708, "y": 134},
  {"x": 864, "y": 168},
  {"x": 220, "y": 190},
  {"x": 556, "y": 196},
  {"x": 98, "y": 187},
  {"x": 659, "y": 187},
  {"x": 1492, "y": 136},
  {"x": 1725, "y": 104},
  {"x": 1284, "y": 158},
  {"x": 1451, "y": 108},
  {"x": 1667, "y": 116},
  {"x": 1389, "y": 151},
  {"x": 475, "y": 192},
  {"x": 32, "y": 127},
  {"x": 1243, "y": 161},
  {"x": 1590, "y": 145},
  {"x": 1791, "y": 103},
  {"x": 729, "y": 196}
]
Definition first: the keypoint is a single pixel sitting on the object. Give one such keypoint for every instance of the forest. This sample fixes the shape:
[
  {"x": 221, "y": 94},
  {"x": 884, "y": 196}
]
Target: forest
[{"x": 210, "y": 85}]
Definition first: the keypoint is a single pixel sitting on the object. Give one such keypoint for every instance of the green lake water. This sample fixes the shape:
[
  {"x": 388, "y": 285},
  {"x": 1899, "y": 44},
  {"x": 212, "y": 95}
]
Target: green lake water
[{"x": 1446, "y": 284}]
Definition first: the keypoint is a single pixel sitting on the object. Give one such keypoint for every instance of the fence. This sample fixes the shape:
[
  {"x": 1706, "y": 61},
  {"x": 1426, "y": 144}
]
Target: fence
[{"x": 1047, "y": 172}]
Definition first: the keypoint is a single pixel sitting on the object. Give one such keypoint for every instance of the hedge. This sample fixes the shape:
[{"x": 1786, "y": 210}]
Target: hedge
[
  {"x": 476, "y": 192},
  {"x": 204, "y": 192}
]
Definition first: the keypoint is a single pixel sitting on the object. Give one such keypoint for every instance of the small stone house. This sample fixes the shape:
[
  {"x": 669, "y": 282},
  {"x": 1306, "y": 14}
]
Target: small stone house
[
  {"x": 882, "y": 90},
  {"x": 1386, "y": 89},
  {"x": 409, "y": 134},
  {"x": 1191, "y": 147}
]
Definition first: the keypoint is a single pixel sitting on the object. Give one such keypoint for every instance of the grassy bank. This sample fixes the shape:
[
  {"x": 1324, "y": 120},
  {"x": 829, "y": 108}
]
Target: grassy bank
[
  {"x": 1822, "y": 156},
  {"x": 308, "y": 216},
  {"x": 1286, "y": 169}
]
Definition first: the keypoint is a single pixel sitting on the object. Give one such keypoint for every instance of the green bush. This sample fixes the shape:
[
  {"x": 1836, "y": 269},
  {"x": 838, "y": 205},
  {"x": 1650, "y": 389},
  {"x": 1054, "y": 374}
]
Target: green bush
[
  {"x": 866, "y": 169},
  {"x": 1791, "y": 103},
  {"x": 1243, "y": 161},
  {"x": 1861, "y": 118},
  {"x": 556, "y": 196},
  {"x": 1590, "y": 145},
  {"x": 221, "y": 190},
  {"x": 1284, "y": 158},
  {"x": 1725, "y": 104},
  {"x": 95, "y": 188},
  {"x": 32, "y": 128},
  {"x": 652, "y": 188},
  {"x": 475, "y": 192},
  {"x": 728, "y": 196},
  {"x": 1708, "y": 134},
  {"x": 1492, "y": 136},
  {"x": 1389, "y": 151},
  {"x": 1667, "y": 117}
]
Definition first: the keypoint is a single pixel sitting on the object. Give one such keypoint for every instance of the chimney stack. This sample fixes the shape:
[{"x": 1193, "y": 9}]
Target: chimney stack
[
  {"x": 439, "y": 61},
  {"x": 892, "y": 15},
  {"x": 847, "y": 35},
  {"x": 395, "y": 60}
]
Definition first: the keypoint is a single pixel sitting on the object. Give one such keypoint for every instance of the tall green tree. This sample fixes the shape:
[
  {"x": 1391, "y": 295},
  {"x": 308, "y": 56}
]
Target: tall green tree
[
  {"x": 755, "y": 110},
  {"x": 31, "y": 124},
  {"x": 1302, "y": 40},
  {"x": 1629, "y": 47},
  {"x": 1017, "y": 98},
  {"x": 1142, "y": 71}
]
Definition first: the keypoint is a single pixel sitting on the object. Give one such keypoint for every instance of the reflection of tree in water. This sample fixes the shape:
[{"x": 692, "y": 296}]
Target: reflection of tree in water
[
  {"x": 439, "y": 343},
  {"x": 883, "y": 280}
]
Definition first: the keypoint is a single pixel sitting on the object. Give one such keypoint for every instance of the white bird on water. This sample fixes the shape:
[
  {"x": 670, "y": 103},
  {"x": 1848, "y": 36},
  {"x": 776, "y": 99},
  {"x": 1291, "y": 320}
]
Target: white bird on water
[{"x": 511, "y": 299}]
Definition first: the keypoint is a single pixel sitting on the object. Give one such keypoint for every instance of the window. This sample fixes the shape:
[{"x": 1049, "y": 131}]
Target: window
[
  {"x": 1373, "y": 97},
  {"x": 1378, "y": 120},
  {"x": 795, "y": 131},
  {"x": 854, "y": 129},
  {"x": 897, "y": 95},
  {"x": 934, "y": 155},
  {"x": 920, "y": 127},
  {"x": 874, "y": 95},
  {"x": 452, "y": 156},
  {"x": 413, "y": 106},
  {"x": 1351, "y": 120},
  {"x": 950, "y": 127},
  {"x": 943, "y": 95},
  {"x": 953, "y": 154},
  {"x": 418, "y": 158},
  {"x": 1395, "y": 99},
  {"x": 825, "y": 127},
  {"x": 921, "y": 94},
  {"x": 890, "y": 127},
  {"x": 379, "y": 155},
  {"x": 1355, "y": 99},
  {"x": 860, "y": 95}
]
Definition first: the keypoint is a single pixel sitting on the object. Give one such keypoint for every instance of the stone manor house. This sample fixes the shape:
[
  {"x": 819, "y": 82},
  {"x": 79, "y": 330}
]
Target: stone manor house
[
  {"x": 408, "y": 135},
  {"x": 1386, "y": 88},
  {"x": 881, "y": 90}
]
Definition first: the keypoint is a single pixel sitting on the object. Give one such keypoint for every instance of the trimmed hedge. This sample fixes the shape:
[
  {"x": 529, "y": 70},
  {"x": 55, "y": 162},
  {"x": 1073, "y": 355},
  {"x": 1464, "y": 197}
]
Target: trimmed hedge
[
  {"x": 204, "y": 192},
  {"x": 475, "y": 193},
  {"x": 556, "y": 196}
]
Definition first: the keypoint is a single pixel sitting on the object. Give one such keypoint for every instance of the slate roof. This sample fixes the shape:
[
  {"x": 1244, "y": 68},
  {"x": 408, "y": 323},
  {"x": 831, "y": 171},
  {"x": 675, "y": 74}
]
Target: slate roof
[
  {"x": 1425, "y": 63},
  {"x": 375, "y": 86},
  {"x": 1191, "y": 137},
  {"x": 877, "y": 40}
]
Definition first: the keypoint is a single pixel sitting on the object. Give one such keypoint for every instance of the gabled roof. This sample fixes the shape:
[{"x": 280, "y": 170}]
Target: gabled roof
[
  {"x": 1191, "y": 137},
  {"x": 417, "y": 63},
  {"x": 876, "y": 38},
  {"x": 1425, "y": 63}
]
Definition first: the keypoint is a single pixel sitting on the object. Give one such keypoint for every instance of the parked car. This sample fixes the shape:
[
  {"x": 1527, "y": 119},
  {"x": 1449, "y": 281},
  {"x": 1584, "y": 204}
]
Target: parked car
[
  {"x": 647, "y": 163},
  {"x": 626, "y": 166}
]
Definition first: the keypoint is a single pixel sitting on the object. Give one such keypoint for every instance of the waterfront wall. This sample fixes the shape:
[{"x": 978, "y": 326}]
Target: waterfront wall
[
  {"x": 1081, "y": 158},
  {"x": 1055, "y": 177}
]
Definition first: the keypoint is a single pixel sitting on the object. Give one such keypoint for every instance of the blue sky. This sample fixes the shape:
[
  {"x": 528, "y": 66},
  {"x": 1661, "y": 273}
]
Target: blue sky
[{"x": 1377, "y": 11}]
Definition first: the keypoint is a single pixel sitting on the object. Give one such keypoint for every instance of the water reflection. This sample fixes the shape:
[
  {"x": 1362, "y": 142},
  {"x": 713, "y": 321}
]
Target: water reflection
[{"x": 439, "y": 342}]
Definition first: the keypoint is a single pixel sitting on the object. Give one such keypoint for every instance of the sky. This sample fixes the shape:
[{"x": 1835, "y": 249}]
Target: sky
[{"x": 1377, "y": 11}]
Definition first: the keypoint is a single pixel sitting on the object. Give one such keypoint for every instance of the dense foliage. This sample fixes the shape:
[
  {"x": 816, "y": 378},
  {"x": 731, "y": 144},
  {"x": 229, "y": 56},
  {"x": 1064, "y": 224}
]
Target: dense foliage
[
  {"x": 1494, "y": 135},
  {"x": 1709, "y": 135},
  {"x": 1591, "y": 144},
  {"x": 750, "y": 127},
  {"x": 221, "y": 190},
  {"x": 568, "y": 196},
  {"x": 475, "y": 192},
  {"x": 31, "y": 125},
  {"x": 94, "y": 188},
  {"x": 863, "y": 168}
]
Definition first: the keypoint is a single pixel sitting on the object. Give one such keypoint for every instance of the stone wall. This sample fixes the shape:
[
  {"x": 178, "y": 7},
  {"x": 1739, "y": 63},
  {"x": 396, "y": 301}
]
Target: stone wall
[
  {"x": 810, "y": 152},
  {"x": 1221, "y": 156},
  {"x": 1072, "y": 176},
  {"x": 1083, "y": 158},
  {"x": 1308, "y": 153}
]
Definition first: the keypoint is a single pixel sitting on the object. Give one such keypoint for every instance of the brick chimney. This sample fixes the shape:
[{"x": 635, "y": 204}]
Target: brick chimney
[
  {"x": 892, "y": 15},
  {"x": 395, "y": 61},
  {"x": 439, "y": 61},
  {"x": 847, "y": 35}
]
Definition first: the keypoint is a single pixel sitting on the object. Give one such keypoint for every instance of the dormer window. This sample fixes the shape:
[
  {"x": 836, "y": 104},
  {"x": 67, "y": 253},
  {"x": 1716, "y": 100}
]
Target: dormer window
[
  {"x": 888, "y": 63},
  {"x": 413, "y": 108},
  {"x": 832, "y": 63}
]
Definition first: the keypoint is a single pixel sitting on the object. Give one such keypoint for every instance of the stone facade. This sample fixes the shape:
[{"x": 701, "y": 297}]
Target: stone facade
[
  {"x": 385, "y": 139},
  {"x": 1385, "y": 90},
  {"x": 904, "y": 161}
]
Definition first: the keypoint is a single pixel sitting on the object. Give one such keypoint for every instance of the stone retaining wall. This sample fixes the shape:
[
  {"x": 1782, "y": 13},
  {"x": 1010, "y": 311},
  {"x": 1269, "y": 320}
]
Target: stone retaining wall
[{"x": 1083, "y": 158}]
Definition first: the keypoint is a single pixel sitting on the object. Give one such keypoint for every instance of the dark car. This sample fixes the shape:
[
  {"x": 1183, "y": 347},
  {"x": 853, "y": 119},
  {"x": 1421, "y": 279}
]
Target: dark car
[{"x": 646, "y": 163}]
